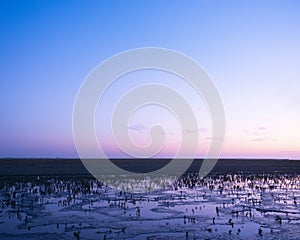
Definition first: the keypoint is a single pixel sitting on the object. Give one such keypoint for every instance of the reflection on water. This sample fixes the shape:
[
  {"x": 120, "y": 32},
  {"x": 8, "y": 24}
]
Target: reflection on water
[{"x": 214, "y": 207}]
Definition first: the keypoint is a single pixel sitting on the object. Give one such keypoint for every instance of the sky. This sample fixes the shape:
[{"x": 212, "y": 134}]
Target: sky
[{"x": 251, "y": 50}]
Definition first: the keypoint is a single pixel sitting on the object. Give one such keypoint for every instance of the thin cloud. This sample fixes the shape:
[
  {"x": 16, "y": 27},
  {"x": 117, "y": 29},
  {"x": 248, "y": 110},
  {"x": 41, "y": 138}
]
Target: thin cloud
[
  {"x": 259, "y": 131},
  {"x": 213, "y": 138},
  {"x": 145, "y": 129},
  {"x": 260, "y": 139},
  {"x": 262, "y": 128},
  {"x": 192, "y": 131},
  {"x": 138, "y": 128}
]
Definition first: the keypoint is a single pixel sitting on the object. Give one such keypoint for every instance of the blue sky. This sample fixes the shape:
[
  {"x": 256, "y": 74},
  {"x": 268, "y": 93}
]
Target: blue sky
[{"x": 251, "y": 49}]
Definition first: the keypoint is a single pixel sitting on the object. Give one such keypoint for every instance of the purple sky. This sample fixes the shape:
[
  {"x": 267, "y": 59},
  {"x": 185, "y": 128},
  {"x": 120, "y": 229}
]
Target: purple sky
[{"x": 251, "y": 49}]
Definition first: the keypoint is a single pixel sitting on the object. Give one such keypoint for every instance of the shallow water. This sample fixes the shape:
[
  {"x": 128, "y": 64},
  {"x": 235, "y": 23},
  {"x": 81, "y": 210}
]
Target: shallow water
[{"x": 215, "y": 207}]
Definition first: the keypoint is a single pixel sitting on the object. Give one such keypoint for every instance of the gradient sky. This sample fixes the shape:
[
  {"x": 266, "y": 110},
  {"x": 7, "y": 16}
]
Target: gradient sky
[{"x": 251, "y": 49}]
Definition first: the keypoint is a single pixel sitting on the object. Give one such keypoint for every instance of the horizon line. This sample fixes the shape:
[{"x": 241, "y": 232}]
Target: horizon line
[{"x": 161, "y": 158}]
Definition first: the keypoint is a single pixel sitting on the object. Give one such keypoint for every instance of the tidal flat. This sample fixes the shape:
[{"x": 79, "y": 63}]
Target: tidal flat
[{"x": 226, "y": 204}]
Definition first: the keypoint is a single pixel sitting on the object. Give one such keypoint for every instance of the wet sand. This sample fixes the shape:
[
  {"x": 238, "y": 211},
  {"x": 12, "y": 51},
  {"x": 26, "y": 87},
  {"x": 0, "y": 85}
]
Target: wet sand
[{"x": 239, "y": 199}]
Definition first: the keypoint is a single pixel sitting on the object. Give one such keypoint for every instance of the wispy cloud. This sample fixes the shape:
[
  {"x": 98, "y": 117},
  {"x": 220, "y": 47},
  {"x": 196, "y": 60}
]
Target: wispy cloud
[
  {"x": 213, "y": 138},
  {"x": 258, "y": 131},
  {"x": 192, "y": 131},
  {"x": 260, "y": 139},
  {"x": 142, "y": 129},
  {"x": 139, "y": 128},
  {"x": 290, "y": 151},
  {"x": 262, "y": 128},
  {"x": 258, "y": 134}
]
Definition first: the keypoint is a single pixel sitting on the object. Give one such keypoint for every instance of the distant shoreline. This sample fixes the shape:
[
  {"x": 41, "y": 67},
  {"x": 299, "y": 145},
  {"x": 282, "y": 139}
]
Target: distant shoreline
[
  {"x": 74, "y": 166},
  {"x": 162, "y": 158}
]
